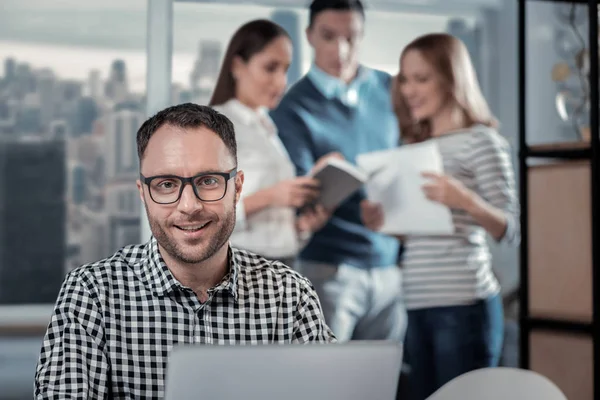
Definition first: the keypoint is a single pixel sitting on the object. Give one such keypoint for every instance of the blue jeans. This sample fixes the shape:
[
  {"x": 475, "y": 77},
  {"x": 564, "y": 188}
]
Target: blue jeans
[{"x": 445, "y": 342}]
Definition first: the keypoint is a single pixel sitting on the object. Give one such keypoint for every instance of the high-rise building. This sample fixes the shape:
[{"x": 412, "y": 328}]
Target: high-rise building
[
  {"x": 116, "y": 87},
  {"x": 70, "y": 90},
  {"x": 10, "y": 69},
  {"x": 69, "y": 93},
  {"x": 93, "y": 239},
  {"x": 118, "y": 71},
  {"x": 290, "y": 21},
  {"x": 123, "y": 208},
  {"x": 76, "y": 183},
  {"x": 86, "y": 150},
  {"x": 206, "y": 71},
  {"x": 122, "y": 204},
  {"x": 8, "y": 114},
  {"x": 5, "y": 113},
  {"x": 207, "y": 63},
  {"x": 29, "y": 118},
  {"x": 87, "y": 112},
  {"x": 121, "y": 150},
  {"x": 95, "y": 85},
  {"x": 24, "y": 81},
  {"x": 8, "y": 79},
  {"x": 32, "y": 219},
  {"x": 176, "y": 90},
  {"x": 46, "y": 88}
]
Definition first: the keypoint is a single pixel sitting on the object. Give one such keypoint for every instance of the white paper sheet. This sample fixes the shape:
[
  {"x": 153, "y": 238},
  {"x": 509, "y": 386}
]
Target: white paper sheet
[{"x": 396, "y": 183}]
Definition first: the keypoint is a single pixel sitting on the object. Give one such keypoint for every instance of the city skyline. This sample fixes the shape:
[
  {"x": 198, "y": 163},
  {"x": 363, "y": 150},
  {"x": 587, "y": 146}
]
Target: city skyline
[
  {"x": 60, "y": 32},
  {"x": 91, "y": 123}
]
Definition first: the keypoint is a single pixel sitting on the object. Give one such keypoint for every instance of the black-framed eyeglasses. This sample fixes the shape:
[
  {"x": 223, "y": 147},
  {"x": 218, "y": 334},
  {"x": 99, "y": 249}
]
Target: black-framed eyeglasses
[{"x": 209, "y": 186}]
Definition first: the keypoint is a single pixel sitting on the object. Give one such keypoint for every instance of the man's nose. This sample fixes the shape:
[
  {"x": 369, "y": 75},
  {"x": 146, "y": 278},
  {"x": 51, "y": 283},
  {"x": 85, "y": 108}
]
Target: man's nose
[
  {"x": 188, "y": 202},
  {"x": 343, "y": 48}
]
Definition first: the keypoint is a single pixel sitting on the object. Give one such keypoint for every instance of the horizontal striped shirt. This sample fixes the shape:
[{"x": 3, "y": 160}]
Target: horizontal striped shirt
[{"x": 457, "y": 269}]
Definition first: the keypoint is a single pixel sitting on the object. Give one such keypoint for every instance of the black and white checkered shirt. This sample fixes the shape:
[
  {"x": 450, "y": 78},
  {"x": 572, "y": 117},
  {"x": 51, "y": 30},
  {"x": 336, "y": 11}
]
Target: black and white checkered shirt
[{"x": 116, "y": 320}]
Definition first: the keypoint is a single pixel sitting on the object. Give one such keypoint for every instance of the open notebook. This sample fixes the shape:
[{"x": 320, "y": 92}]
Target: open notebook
[{"x": 339, "y": 179}]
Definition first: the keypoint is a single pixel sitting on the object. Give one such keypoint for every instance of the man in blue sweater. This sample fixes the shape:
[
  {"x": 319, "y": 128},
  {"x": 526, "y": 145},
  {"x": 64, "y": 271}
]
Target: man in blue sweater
[{"x": 342, "y": 106}]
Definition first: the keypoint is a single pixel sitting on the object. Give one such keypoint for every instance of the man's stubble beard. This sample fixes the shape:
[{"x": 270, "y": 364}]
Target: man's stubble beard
[{"x": 211, "y": 246}]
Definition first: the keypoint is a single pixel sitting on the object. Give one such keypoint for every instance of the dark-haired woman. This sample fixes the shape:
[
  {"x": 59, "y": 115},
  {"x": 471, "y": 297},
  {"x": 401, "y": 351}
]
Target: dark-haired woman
[{"x": 252, "y": 80}]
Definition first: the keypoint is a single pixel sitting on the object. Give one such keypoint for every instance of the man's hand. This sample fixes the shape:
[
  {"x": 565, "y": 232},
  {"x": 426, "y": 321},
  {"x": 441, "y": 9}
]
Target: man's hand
[{"x": 371, "y": 215}]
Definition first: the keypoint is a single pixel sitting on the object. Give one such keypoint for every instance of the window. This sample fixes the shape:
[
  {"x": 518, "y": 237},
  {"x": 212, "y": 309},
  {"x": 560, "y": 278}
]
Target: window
[
  {"x": 72, "y": 96},
  {"x": 202, "y": 32},
  {"x": 72, "y": 90}
]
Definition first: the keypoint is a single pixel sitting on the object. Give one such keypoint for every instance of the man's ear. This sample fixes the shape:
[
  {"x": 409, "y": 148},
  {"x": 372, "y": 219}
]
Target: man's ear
[
  {"x": 239, "y": 182},
  {"x": 140, "y": 187},
  {"x": 308, "y": 31}
]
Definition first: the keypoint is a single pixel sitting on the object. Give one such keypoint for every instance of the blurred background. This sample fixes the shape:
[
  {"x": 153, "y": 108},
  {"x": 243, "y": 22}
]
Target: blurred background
[{"x": 74, "y": 88}]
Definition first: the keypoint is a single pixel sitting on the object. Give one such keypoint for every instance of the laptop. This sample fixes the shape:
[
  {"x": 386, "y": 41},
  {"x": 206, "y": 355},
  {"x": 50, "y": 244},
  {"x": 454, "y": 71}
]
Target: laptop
[{"x": 349, "y": 371}]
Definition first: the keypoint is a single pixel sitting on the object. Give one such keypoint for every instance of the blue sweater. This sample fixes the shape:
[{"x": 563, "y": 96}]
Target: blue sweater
[{"x": 312, "y": 124}]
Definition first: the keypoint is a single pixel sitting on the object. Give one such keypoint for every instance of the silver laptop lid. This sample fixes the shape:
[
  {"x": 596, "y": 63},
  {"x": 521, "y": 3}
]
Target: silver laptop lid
[{"x": 349, "y": 371}]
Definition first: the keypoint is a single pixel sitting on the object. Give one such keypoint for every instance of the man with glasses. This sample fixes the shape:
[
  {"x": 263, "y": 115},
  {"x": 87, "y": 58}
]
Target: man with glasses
[{"x": 116, "y": 320}]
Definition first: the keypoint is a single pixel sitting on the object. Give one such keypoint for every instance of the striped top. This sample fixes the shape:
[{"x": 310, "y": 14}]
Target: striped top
[{"x": 457, "y": 269}]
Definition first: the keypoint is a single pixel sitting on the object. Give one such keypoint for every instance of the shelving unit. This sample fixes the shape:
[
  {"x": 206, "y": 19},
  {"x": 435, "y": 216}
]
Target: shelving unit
[{"x": 560, "y": 247}]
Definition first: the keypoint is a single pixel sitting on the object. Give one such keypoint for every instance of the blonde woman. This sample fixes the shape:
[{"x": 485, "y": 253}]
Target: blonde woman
[{"x": 455, "y": 316}]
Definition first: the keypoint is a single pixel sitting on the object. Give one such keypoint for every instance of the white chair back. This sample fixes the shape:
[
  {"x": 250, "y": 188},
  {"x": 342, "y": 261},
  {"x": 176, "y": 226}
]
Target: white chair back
[{"x": 499, "y": 384}]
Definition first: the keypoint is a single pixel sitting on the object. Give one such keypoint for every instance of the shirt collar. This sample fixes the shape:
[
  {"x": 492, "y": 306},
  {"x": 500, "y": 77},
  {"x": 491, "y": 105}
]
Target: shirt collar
[
  {"x": 156, "y": 275},
  {"x": 332, "y": 87},
  {"x": 247, "y": 115}
]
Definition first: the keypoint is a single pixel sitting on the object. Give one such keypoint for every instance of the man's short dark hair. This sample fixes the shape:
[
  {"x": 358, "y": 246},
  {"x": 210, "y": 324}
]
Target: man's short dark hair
[
  {"x": 318, "y": 6},
  {"x": 188, "y": 115}
]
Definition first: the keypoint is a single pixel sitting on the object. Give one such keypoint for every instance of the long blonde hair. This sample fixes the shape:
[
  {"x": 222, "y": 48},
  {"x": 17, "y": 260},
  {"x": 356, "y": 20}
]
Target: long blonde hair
[{"x": 450, "y": 59}]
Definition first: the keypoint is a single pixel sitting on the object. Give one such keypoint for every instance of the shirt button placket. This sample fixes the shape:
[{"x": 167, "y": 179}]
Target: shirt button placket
[{"x": 202, "y": 331}]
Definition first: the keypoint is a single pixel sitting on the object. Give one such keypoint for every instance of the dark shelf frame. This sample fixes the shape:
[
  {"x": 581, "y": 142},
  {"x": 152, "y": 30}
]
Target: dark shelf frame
[
  {"x": 561, "y": 1},
  {"x": 566, "y": 154},
  {"x": 591, "y": 153}
]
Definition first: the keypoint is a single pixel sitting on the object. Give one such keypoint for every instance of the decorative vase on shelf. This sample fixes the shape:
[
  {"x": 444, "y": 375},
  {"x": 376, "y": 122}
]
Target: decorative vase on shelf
[{"x": 572, "y": 74}]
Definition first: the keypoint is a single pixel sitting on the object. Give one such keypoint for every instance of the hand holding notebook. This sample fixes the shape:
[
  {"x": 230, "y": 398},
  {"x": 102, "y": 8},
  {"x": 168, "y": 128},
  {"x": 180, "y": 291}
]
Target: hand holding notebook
[{"x": 338, "y": 180}]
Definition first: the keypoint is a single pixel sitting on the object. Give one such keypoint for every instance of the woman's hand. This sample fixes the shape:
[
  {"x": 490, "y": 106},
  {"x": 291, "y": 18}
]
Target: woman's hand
[
  {"x": 448, "y": 191},
  {"x": 371, "y": 215},
  {"x": 312, "y": 219},
  {"x": 295, "y": 192},
  {"x": 454, "y": 194}
]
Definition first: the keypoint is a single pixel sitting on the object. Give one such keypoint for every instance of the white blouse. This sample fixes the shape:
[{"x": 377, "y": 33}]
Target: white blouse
[{"x": 262, "y": 157}]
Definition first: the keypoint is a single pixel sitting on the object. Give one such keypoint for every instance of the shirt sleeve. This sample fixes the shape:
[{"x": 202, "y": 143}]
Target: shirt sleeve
[
  {"x": 491, "y": 164},
  {"x": 73, "y": 362},
  {"x": 296, "y": 138},
  {"x": 254, "y": 169},
  {"x": 309, "y": 323},
  {"x": 251, "y": 161}
]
